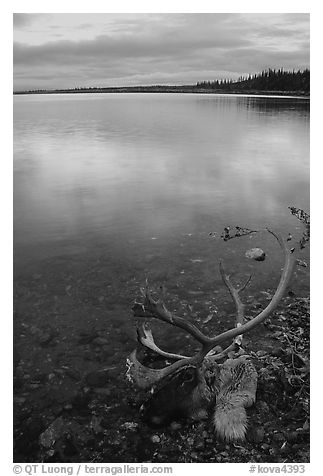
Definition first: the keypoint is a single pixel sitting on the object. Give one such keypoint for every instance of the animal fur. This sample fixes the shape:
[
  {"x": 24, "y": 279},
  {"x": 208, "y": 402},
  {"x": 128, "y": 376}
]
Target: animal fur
[{"x": 238, "y": 385}]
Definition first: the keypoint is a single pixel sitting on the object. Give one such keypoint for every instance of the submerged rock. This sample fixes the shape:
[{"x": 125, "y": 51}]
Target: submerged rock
[
  {"x": 100, "y": 341},
  {"x": 256, "y": 434},
  {"x": 53, "y": 433},
  {"x": 256, "y": 254}
]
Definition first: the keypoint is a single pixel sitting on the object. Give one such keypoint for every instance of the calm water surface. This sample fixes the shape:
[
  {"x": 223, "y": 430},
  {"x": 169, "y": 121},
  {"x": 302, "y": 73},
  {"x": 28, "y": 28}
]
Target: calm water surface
[{"x": 108, "y": 168}]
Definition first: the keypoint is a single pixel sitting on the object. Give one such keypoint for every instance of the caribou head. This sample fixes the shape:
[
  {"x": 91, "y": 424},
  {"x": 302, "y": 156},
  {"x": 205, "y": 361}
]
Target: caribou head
[{"x": 216, "y": 381}]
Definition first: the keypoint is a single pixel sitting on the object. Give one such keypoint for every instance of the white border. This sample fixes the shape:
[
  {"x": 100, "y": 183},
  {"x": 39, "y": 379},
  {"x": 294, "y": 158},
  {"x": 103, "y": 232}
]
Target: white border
[{"x": 6, "y": 186}]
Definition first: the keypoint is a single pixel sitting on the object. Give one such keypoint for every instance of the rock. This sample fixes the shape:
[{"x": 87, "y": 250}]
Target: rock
[
  {"x": 292, "y": 436},
  {"x": 190, "y": 441},
  {"x": 199, "y": 445},
  {"x": 45, "y": 336},
  {"x": 95, "y": 424},
  {"x": 261, "y": 353},
  {"x": 224, "y": 454},
  {"x": 53, "y": 433},
  {"x": 155, "y": 439},
  {"x": 73, "y": 374},
  {"x": 130, "y": 425},
  {"x": 256, "y": 254},
  {"x": 301, "y": 263},
  {"x": 98, "y": 378},
  {"x": 306, "y": 425},
  {"x": 175, "y": 426},
  {"x": 19, "y": 400},
  {"x": 265, "y": 446},
  {"x": 100, "y": 341},
  {"x": 279, "y": 437},
  {"x": 277, "y": 352},
  {"x": 256, "y": 435}
]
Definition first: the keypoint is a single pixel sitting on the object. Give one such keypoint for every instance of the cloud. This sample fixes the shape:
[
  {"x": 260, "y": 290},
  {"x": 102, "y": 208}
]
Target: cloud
[
  {"x": 22, "y": 20},
  {"x": 158, "y": 48}
]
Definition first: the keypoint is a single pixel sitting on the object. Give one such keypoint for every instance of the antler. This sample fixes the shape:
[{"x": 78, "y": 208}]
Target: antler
[
  {"x": 284, "y": 280},
  {"x": 234, "y": 292},
  {"x": 146, "y": 338},
  {"x": 151, "y": 308}
]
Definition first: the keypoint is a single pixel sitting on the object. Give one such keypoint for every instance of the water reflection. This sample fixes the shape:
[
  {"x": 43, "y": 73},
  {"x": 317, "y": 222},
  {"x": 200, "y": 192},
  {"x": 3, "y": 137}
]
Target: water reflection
[{"x": 140, "y": 165}]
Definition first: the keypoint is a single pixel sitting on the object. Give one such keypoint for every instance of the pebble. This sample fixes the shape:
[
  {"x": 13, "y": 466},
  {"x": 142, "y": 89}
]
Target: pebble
[
  {"x": 225, "y": 454},
  {"x": 175, "y": 426},
  {"x": 261, "y": 353},
  {"x": 292, "y": 436},
  {"x": 73, "y": 374},
  {"x": 256, "y": 435},
  {"x": 265, "y": 446},
  {"x": 100, "y": 341},
  {"x": 279, "y": 437},
  {"x": 19, "y": 400},
  {"x": 199, "y": 445}
]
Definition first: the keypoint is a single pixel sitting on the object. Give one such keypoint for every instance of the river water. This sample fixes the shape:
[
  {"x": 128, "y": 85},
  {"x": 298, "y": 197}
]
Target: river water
[{"x": 111, "y": 189}]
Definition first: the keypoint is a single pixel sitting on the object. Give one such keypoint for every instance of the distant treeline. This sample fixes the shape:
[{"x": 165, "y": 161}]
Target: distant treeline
[
  {"x": 267, "y": 80},
  {"x": 270, "y": 81}
]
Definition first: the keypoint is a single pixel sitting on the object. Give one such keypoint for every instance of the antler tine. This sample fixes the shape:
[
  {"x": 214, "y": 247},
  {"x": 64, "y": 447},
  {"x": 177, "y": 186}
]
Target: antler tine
[
  {"x": 157, "y": 309},
  {"x": 146, "y": 338},
  {"x": 144, "y": 377},
  {"x": 234, "y": 292},
  {"x": 285, "y": 277}
]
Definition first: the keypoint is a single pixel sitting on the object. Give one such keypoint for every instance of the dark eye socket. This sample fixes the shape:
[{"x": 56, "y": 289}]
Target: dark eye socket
[{"x": 190, "y": 375}]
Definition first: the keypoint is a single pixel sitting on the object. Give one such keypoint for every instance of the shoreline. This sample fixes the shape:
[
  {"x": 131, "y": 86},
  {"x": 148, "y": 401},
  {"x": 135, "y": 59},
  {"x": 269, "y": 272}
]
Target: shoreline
[{"x": 166, "y": 89}]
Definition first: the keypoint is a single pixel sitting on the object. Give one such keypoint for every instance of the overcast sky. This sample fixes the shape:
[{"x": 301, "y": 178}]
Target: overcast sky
[{"x": 73, "y": 50}]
